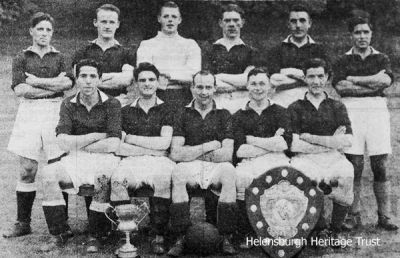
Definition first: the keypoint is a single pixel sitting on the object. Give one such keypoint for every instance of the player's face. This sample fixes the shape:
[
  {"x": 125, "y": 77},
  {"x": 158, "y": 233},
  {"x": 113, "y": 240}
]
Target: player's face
[
  {"x": 106, "y": 23},
  {"x": 231, "y": 24},
  {"x": 259, "y": 86},
  {"x": 88, "y": 80},
  {"x": 169, "y": 19},
  {"x": 316, "y": 79},
  {"x": 299, "y": 24},
  {"x": 203, "y": 89},
  {"x": 147, "y": 84},
  {"x": 42, "y": 33},
  {"x": 361, "y": 36}
]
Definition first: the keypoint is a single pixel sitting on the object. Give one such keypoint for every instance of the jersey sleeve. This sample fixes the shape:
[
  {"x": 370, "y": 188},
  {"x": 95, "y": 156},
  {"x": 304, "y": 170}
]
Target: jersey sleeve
[
  {"x": 342, "y": 117},
  {"x": 227, "y": 130},
  {"x": 273, "y": 60},
  {"x": 114, "y": 119},
  {"x": 295, "y": 118},
  {"x": 284, "y": 122},
  {"x": 339, "y": 71},
  {"x": 18, "y": 71},
  {"x": 178, "y": 123},
  {"x": 65, "y": 123}
]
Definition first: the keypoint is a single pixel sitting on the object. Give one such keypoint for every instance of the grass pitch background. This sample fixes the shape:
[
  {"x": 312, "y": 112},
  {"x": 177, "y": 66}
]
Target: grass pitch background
[{"x": 67, "y": 38}]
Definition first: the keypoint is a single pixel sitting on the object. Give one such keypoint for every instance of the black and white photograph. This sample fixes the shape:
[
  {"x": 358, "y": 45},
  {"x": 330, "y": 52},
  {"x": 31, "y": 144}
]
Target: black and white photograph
[{"x": 200, "y": 128}]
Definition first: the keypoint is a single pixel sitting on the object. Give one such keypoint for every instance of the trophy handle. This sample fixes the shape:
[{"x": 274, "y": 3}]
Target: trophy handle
[{"x": 110, "y": 209}]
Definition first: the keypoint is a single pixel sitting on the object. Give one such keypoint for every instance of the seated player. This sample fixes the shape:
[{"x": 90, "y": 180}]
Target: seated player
[
  {"x": 38, "y": 79},
  {"x": 261, "y": 130},
  {"x": 116, "y": 61},
  {"x": 321, "y": 129},
  {"x": 203, "y": 146},
  {"x": 285, "y": 61},
  {"x": 230, "y": 59},
  {"x": 148, "y": 129},
  {"x": 177, "y": 58},
  {"x": 90, "y": 130},
  {"x": 361, "y": 75}
]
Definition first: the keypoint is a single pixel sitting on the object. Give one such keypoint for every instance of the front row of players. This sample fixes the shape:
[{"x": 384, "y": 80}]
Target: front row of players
[{"x": 202, "y": 139}]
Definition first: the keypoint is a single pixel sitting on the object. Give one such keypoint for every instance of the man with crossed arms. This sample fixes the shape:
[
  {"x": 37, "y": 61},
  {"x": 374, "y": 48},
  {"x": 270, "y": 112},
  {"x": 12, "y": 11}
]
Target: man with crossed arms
[
  {"x": 321, "y": 129},
  {"x": 90, "y": 130},
  {"x": 203, "y": 146},
  {"x": 262, "y": 133},
  {"x": 148, "y": 127}
]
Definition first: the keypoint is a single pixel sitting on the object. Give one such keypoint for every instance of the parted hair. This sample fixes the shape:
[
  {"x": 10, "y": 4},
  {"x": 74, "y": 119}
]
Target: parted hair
[
  {"x": 41, "y": 16},
  {"x": 205, "y": 73},
  {"x": 88, "y": 62},
  {"x": 231, "y": 8},
  {"x": 256, "y": 71},
  {"x": 315, "y": 63},
  {"x": 300, "y": 8},
  {"x": 108, "y": 7},
  {"x": 145, "y": 67},
  {"x": 168, "y": 4},
  {"x": 354, "y": 21}
]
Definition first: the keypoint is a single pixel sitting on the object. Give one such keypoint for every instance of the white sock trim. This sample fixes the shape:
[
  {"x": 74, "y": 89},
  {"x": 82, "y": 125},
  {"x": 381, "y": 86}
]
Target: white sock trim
[
  {"x": 99, "y": 207},
  {"x": 26, "y": 187},
  {"x": 53, "y": 203}
]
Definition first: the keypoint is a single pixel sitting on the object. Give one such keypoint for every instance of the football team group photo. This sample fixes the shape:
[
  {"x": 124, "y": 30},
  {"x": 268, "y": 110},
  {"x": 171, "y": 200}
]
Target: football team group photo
[{"x": 269, "y": 143}]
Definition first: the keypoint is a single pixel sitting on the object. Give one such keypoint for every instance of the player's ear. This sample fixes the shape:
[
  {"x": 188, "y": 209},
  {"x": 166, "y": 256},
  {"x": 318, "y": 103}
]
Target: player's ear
[
  {"x": 243, "y": 22},
  {"x": 220, "y": 22},
  {"x": 95, "y": 22},
  {"x": 30, "y": 31}
]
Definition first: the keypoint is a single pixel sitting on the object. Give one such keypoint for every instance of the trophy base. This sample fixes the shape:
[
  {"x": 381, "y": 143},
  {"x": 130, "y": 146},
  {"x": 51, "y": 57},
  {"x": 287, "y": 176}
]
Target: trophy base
[{"x": 127, "y": 251}]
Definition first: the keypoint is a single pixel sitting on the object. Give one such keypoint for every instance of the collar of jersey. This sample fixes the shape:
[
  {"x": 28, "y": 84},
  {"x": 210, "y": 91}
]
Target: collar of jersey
[
  {"x": 136, "y": 102},
  {"x": 103, "y": 97},
  {"x": 51, "y": 50},
  {"x": 215, "y": 105},
  {"x": 247, "y": 106},
  {"x": 116, "y": 43},
  {"x": 237, "y": 42},
  {"x": 373, "y": 51},
  {"x": 309, "y": 40}
]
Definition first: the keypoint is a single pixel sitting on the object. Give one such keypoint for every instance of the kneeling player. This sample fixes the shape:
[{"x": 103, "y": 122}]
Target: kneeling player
[
  {"x": 148, "y": 131},
  {"x": 90, "y": 129},
  {"x": 321, "y": 129},
  {"x": 203, "y": 144},
  {"x": 261, "y": 131}
]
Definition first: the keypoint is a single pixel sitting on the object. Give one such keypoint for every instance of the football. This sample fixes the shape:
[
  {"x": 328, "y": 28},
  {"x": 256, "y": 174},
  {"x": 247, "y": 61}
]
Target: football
[{"x": 203, "y": 239}]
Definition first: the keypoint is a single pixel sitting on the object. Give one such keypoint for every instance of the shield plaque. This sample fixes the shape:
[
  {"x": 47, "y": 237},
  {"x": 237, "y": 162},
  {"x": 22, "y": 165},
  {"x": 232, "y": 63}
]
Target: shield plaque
[{"x": 283, "y": 208}]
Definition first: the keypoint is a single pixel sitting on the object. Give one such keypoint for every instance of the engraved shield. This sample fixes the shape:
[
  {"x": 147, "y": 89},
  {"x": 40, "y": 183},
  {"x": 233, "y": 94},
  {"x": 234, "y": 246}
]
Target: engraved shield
[{"x": 283, "y": 208}]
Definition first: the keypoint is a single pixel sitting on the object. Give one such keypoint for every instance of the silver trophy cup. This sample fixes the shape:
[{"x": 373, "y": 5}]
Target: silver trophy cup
[{"x": 129, "y": 218}]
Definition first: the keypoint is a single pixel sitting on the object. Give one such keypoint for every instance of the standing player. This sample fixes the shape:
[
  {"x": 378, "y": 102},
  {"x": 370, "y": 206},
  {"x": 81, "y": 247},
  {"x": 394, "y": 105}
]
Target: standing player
[
  {"x": 177, "y": 58},
  {"x": 321, "y": 129},
  {"x": 89, "y": 129},
  {"x": 230, "y": 59},
  {"x": 39, "y": 79},
  {"x": 285, "y": 61},
  {"x": 361, "y": 75},
  {"x": 203, "y": 144},
  {"x": 148, "y": 137},
  {"x": 116, "y": 61},
  {"x": 261, "y": 130}
]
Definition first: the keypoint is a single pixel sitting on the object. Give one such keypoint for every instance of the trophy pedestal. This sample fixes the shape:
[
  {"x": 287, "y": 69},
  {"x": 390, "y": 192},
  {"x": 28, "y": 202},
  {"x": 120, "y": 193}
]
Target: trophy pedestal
[{"x": 127, "y": 250}]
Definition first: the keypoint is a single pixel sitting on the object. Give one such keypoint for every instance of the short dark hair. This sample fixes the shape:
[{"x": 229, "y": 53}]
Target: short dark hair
[
  {"x": 41, "y": 16},
  {"x": 145, "y": 67},
  {"x": 88, "y": 62},
  {"x": 256, "y": 71},
  {"x": 300, "y": 8},
  {"x": 231, "y": 8},
  {"x": 315, "y": 63},
  {"x": 169, "y": 4},
  {"x": 354, "y": 21},
  {"x": 108, "y": 7},
  {"x": 205, "y": 73}
]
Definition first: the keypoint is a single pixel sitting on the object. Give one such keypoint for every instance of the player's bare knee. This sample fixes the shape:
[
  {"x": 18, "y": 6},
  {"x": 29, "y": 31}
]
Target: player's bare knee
[{"x": 28, "y": 170}]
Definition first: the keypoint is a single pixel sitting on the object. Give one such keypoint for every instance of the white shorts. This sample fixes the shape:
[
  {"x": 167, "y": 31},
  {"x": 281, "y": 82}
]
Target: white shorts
[
  {"x": 153, "y": 171},
  {"x": 327, "y": 166},
  {"x": 35, "y": 129},
  {"x": 251, "y": 168},
  {"x": 232, "y": 101},
  {"x": 370, "y": 121},
  {"x": 200, "y": 173},
  {"x": 287, "y": 97},
  {"x": 85, "y": 168}
]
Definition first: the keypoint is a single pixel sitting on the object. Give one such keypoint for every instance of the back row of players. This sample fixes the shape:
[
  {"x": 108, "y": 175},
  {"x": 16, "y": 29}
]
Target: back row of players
[{"x": 203, "y": 137}]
